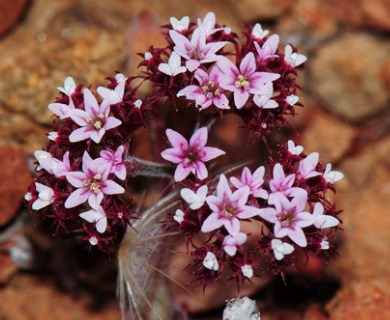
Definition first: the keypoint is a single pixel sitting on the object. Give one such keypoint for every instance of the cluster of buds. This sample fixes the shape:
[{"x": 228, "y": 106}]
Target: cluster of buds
[{"x": 83, "y": 174}]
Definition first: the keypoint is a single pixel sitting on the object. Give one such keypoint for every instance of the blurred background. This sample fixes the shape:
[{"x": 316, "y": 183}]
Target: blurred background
[{"x": 346, "y": 93}]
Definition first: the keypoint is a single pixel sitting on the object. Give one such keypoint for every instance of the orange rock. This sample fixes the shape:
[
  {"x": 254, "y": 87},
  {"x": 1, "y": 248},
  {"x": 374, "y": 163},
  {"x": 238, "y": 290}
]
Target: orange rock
[{"x": 15, "y": 179}]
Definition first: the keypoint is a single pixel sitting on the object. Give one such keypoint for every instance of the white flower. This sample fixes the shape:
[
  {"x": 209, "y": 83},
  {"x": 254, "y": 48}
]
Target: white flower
[
  {"x": 258, "y": 31},
  {"x": 294, "y": 59},
  {"x": 93, "y": 241},
  {"x": 247, "y": 271},
  {"x": 69, "y": 86},
  {"x": 321, "y": 220},
  {"x": 28, "y": 196},
  {"x": 293, "y": 149},
  {"x": 173, "y": 67},
  {"x": 52, "y": 165},
  {"x": 61, "y": 110},
  {"x": 281, "y": 248},
  {"x": 180, "y": 25},
  {"x": 97, "y": 216},
  {"x": 324, "y": 244},
  {"x": 138, "y": 103},
  {"x": 115, "y": 95},
  {"x": 195, "y": 200},
  {"x": 227, "y": 30},
  {"x": 332, "y": 176},
  {"x": 45, "y": 196},
  {"x": 52, "y": 136},
  {"x": 292, "y": 99},
  {"x": 147, "y": 55},
  {"x": 210, "y": 261},
  {"x": 179, "y": 216}
]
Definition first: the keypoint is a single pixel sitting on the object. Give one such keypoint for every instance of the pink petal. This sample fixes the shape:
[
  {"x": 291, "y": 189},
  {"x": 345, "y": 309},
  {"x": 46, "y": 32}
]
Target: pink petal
[
  {"x": 91, "y": 105},
  {"x": 201, "y": 170},
  {"x": 240, "y": 98},
  {"x": 79, "y": 116},
  {"x": 95, "y": 199},
  {"x": 298, "y": 236},
  {"x": 101, "y": 225},
  {"x": 249, "y": 212},
  {"x": 248, "y": 64},
  {"x": 192, "y": 65},
  {"x": 111, "y": 187},
  {"x": 76, "y": 178},
  {"x": 112, "y": 122},
  {"x": 80, "y": 134},
  {"x": 212, "y": 223},
  {"x": 210, "y": 153},
  {"x": 223, "y": 186},
  {"x": 173, "y": 155},
  {"x": 199, "y": 138},
  {"x": 176, "y": 139},
  {"x": 77, "y": 197},
  {"x": 232, "y": 225},
  {"x": 181, "y": 172},
  {"x": 268, "y": 214},
  {"x": 96, "y": 136}
]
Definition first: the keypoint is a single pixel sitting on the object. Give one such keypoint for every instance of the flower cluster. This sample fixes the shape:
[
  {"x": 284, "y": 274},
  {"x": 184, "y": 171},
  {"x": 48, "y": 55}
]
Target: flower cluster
[
  {"x": 82, "y": 173},
  {"x": 237, "y": 226}
]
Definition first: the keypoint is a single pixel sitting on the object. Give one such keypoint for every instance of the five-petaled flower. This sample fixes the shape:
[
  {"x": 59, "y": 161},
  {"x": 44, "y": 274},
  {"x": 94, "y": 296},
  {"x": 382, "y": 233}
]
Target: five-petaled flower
[
  {"x": 289, "y": 219},
  {"x": 97, "y": 216},
  {"x": 208, "y": 92},
  {"x": 45, "y": 196},
  {"x": 244, "y": 80},
  {"x": 232, "y": 241},
  {"x": 194, "y": 199},
  {"x": 94, "y": 120},
  {"x": 91, "y": 184},
  {"x": 190, "y": 156},
  {"x": 196, "y": 51},
  {"x": 253, "y": 181},
  {"x": 228, "y": 207},
  {"x": 281, "y": 248},
  {"x": 115, "y": 161}
]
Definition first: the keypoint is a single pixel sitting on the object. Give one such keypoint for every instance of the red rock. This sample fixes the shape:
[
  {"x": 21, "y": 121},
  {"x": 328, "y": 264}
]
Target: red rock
[
  {"x": 15, "y": 179},
  {"x": 373, "y": 14},
  {"x": 327, "y": 135},
  {"x": 348, "y": 81},
  {"x": 360, "y": 300},
  {"x": 10, "y": 12}
]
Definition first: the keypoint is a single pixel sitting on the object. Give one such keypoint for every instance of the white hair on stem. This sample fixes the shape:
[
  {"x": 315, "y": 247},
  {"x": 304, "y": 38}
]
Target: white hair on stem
[{"x": 139, "y": 261}]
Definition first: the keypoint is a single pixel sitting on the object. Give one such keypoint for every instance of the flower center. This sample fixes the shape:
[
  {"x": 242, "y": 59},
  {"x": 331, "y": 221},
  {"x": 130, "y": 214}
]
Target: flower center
[
  {"x": 241, "y": 82},
  {"x": 228, "y": 210},
  {"x": 210, "y": 89},
  {"x": 196, "y": 54},
  {"x": 286, "y": 219},
  {"x": 95, "y": 183},
  {"x": 96, "y": 123}
]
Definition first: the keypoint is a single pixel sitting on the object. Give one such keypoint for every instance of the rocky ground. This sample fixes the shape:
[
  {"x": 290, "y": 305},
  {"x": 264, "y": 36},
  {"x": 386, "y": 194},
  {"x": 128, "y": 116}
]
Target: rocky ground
[{"x": 346, "y": 118}]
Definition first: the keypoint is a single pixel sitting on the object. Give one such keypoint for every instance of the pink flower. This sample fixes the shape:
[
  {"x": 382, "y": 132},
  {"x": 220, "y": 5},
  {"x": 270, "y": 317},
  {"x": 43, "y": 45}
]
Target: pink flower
[
  {"x": 308, "y": 165},
  {"x": 268, "y": 49},
  {"x": 258, "y": 31},
  {"x": 91, "y": 184},
  {"x": 115, "y": 161},
  {"x": 228, "y": 207},
  {"x": 289, "y": 219},
  {"x": 97, "y": 216},
  {"x": 208, "y": 24},
  {"x": 244, "y": 80},
  {"x": 94, "y": 120},
  {"x": 253, "y": 181},
  {"x": 232, "y": 241},
  {"x": 208, "y": 91},
  {"x": 281, "y": 186},
  {"x": 191, "y": 156},
  {"x": 195, "y": 51}
]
